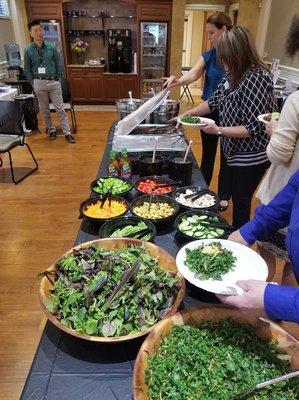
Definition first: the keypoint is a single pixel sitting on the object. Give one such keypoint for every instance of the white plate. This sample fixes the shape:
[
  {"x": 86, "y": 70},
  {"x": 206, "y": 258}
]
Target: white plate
[
  {"x": 262, "y": 119},
  {"x": 204, "y": 121},
  {"x": 249, "y": 265}
]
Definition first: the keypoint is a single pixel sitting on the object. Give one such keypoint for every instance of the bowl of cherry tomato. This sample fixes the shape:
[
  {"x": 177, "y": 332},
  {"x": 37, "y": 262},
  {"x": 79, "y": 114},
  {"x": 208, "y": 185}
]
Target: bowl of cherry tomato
[{"x": 155, "y": 185}]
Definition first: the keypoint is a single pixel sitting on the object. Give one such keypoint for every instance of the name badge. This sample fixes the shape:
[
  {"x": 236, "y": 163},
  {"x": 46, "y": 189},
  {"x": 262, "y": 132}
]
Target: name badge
[{"x": 41, "y": 70}]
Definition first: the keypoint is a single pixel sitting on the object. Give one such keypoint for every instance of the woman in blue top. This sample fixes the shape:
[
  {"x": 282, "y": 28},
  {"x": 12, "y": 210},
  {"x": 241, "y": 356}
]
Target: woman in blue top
[
  {"x": 217, "y": 23},
  {"x": 279, "y": 302}
]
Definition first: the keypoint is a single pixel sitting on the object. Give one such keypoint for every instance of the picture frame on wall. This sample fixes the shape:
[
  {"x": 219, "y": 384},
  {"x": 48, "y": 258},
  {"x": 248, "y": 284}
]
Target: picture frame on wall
[{"x": 4, "y": 10}]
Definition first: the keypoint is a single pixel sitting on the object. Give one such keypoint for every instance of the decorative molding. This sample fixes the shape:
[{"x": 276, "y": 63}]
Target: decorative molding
[
  {"x": 289, "y": 73},
  {"x": 262, "y": 28},
  {"x": 206, "y": 7}
]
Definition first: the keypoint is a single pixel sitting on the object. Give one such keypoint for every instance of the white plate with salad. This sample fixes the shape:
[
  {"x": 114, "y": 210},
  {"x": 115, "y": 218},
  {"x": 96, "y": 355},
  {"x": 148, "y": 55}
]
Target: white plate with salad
[
  {"x": 268, "y": 118},
  {"x": 189, "y": 120},
  {"x": 216, "y": 265}
]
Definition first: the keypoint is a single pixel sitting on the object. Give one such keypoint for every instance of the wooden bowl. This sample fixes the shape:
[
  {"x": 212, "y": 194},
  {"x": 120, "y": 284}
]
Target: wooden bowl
[
  {"x": 165, "y": 260},
  {"x": 263, "y": 328}
]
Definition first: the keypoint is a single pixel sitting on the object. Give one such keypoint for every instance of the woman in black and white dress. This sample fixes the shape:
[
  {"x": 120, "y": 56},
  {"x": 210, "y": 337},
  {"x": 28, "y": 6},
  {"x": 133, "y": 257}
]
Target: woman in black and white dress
[{"x": 245, "y": 92}]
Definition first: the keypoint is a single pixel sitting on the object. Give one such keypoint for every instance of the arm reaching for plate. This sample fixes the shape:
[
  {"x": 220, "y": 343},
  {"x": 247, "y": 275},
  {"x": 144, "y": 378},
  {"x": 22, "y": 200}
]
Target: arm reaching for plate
[
  {"x": 191, "y": 76},
  {"x": 198, "y": 111}
]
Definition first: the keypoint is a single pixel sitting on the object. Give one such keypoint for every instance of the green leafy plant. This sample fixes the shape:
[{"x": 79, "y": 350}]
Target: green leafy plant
[
  {"x": 111, "y": 292},
  {"x": 215, "y": 361},
  {"x": 190, "y": 120},
  {"x": 210, "y": 261}
]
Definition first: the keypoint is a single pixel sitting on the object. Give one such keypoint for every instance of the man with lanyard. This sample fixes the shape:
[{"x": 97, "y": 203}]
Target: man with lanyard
[{"x": 43, "y": 69}]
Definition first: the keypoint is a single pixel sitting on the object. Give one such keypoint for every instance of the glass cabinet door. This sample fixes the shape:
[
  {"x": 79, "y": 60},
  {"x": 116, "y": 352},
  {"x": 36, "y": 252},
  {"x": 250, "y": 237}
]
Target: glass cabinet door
[{"x": 153, "y": 57}]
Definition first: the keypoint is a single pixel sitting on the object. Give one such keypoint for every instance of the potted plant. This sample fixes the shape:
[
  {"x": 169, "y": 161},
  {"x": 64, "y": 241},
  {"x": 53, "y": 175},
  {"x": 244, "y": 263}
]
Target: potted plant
[{"x": 79, "y": 47}]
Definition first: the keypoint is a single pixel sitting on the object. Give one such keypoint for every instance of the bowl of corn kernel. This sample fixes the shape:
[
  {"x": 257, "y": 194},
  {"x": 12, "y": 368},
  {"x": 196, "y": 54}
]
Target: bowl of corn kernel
[
  {"x": 99, "y": 209},
  {"x": 156, "y": 208}
]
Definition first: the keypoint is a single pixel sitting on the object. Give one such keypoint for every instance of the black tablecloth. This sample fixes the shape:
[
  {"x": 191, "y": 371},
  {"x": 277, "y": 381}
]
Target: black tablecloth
[{"x": 67, "y": 368}]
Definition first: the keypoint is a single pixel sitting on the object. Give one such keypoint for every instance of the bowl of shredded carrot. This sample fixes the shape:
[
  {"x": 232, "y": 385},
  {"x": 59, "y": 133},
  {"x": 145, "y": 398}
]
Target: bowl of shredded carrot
[{"x": 96, "y": 210}]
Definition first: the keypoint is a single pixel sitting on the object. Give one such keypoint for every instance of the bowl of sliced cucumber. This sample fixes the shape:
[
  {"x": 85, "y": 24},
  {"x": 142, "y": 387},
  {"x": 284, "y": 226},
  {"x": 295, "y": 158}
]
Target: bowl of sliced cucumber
[{"x": 202, "y": 224}]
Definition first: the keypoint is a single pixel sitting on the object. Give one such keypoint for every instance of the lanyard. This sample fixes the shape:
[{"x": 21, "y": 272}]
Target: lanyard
[{"x": 40, "y": 52}]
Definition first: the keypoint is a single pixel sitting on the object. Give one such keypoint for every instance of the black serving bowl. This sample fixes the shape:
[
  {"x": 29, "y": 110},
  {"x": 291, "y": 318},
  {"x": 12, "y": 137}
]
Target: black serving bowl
[
  {"x": 183, "y": 189},
  {"x": 94, "y": 184},
  {"x": 156, "y": 199},
  {"x": 94, "y": 200},
  {"x": 157, "y": 179},
  {"x": 191, "y": 213},
  {"x": 111, "y": 226}
]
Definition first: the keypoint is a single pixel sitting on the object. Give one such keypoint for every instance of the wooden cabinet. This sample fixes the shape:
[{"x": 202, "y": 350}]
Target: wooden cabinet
[
  {"x": 129, "y": 82},
  {"x": 154, "y": 11},
  {"x": 90, "y": 86},
  {"x": 118, "y": 86},
  {"x": 112, "y": 87},
  {"x": 43, "y": 9},
  {"x": 79, "y": 87}
]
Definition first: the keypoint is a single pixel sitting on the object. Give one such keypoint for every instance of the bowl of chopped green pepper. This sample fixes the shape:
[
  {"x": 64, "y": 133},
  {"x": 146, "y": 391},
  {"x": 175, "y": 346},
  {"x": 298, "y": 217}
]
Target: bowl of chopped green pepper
[
  {"x": 111, "y": 290},
  {"x": 117, "y": 185},
  {"x": 214, "y": 353},
  {"x": 133, "y": 227}
]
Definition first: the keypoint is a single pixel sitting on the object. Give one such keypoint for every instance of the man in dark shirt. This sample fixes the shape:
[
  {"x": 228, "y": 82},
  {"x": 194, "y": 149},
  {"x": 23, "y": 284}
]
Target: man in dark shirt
[{"x": 43, "y": 69}]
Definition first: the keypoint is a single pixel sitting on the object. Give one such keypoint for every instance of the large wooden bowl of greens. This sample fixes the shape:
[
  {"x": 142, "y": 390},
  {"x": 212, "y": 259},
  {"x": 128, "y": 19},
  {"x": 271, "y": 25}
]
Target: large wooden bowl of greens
[
  {"x": 111, "y": 290},
  {"x": 213, "y": 353}
]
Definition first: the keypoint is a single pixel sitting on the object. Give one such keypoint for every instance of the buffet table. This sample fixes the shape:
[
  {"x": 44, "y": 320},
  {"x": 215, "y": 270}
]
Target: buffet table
[{"x": 67, "y": 368}]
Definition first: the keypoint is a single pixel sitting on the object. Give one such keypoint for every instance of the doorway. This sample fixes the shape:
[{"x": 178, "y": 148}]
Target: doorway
[{"x": 195, "y": 40}]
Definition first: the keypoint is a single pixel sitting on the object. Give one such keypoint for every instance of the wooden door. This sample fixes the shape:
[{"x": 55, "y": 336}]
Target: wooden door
[
  {"x": 96, "y": 89},
  {"x": 112, "y": 87},
  {"x": 79, "y": 87}
]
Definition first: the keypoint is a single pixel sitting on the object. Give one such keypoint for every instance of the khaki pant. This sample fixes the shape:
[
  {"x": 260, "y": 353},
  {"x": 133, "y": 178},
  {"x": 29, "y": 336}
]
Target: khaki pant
[{"x": 44, "y": 90}]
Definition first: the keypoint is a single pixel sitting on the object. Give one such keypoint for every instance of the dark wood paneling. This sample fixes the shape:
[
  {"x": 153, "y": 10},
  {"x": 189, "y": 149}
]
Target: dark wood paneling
[
  {"x": 154, "y": 11},
  {"x": 42, "y": 10}
]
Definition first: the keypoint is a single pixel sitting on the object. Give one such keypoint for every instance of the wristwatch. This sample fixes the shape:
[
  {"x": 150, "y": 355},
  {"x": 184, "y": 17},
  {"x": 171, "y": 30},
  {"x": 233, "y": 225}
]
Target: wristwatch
[{"x": 219, "y": 132}]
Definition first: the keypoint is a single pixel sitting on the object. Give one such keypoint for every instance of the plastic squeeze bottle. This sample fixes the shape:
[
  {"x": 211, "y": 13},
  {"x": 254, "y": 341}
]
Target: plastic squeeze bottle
[
  {"x": 125, "y": 164},
  {"x": 113, "y": 167}
]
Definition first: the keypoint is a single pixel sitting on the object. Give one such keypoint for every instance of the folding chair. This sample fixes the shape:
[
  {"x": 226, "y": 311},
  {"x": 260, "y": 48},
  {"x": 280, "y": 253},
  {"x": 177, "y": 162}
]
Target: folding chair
[
  {"x": 67, "y": 102},
  {"x": 186, "y": 90},
  {"x": 12, "y": 134}
]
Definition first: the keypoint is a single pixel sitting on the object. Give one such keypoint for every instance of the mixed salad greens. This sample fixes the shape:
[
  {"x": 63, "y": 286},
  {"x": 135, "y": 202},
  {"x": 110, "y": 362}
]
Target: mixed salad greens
[
  {"x": 111, "y": 292},
  {"x": 210, "y": 261},
  {"x": 115, "y": 185},
  {"x": 191, "y": 120},
  {"x": 217, "y": 360}
]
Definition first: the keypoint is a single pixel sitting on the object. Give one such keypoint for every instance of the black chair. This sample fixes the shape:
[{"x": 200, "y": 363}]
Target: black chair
[
  {"x": 67, "y": 102},
  {"x": 186, "y": 90},
  {"x": 12, "y": 134}
]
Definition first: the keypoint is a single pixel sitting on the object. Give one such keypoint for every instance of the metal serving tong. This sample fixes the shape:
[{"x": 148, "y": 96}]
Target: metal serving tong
[
  {"x": 260, "y": 386},
  {"x": 107, "y": 195},
  {"x": 125, "y": 278},
  {"x": 176, "y": 183},
  {"x": 216, "y": 225},
  {"x": 197, "y": 194}
]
